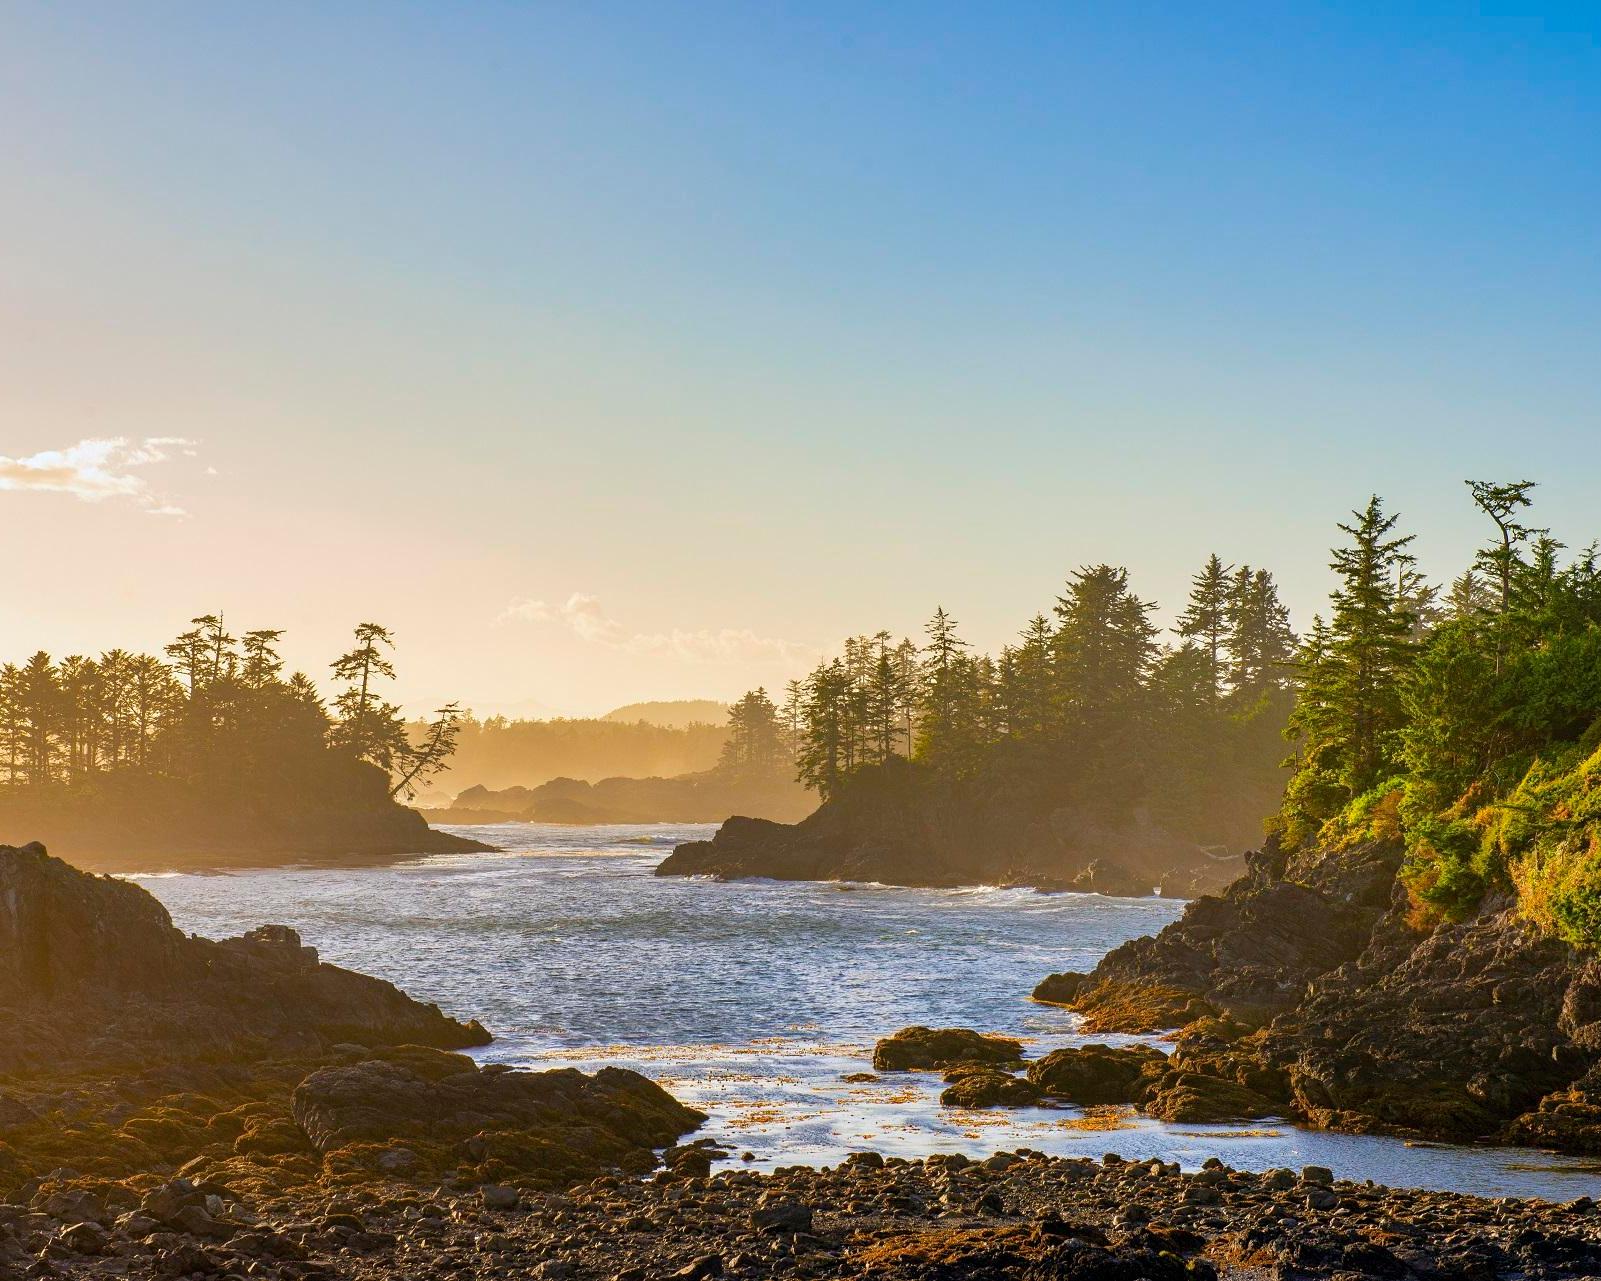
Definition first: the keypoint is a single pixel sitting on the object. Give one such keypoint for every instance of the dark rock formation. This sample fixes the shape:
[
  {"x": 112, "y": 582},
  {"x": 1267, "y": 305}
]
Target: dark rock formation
[
  {"x": 896, "y": 825},
  {"x": 93, "y": 972},
  {"x": 340, "y": 813},
  {"x": 1306, "y": 990},
  {"x": 1058, "y": 989},
  {"x": 1247, "y": 953},
  {"x": 1090, "y": 1074},
  {"x": 248, "y": 1064},
  {"x": 984, "y": 1087},
  {"x": 545, "y": 1129},
  {"x": 922, "y": 1048}
]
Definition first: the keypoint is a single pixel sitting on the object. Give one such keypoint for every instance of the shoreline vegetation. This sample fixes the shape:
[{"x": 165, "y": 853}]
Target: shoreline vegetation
[
  {"x": 1088, "y": 755},
  {"x": 1414, "y": 950},
  {"x": 212, "y": 756}
]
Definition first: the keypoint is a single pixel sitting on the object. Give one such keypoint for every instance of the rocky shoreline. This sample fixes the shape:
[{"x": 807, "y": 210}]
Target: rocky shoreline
[
  {"x": 1014, "y": 1215},
  {"x": 172, "y": 1106},
  {"x": 1309, "y": 989}
]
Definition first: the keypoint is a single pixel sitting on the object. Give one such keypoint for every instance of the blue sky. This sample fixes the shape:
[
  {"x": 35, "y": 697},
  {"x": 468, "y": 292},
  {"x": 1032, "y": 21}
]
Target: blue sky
[{"x": 752, "y": 325}]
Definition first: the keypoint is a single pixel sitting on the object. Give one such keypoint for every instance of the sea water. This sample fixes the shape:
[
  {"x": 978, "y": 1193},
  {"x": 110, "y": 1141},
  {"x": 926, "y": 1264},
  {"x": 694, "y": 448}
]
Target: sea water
[{"x": 756, "y": 1000}]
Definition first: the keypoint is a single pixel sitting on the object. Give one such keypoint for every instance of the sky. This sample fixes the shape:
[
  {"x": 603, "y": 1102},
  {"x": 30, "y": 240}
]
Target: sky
[{"x": 621, "y": 351}]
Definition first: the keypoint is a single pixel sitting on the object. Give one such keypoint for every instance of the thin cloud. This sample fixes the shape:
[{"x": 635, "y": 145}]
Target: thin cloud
[
  {"x": 94, "y": 471},
  {"x": 584, "y": 615}
]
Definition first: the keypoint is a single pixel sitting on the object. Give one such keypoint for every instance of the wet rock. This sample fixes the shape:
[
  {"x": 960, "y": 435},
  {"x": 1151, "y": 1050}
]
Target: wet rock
[
  {"x": 550, "y": 1128},
  {"x": 986, "y": 1088},
  {"x": 919, "y": 1047},
  {"x": 1095, "y": 1074},
  {"x": 1197, "y": 1097},
  {"x": 1059, "y": 989}
]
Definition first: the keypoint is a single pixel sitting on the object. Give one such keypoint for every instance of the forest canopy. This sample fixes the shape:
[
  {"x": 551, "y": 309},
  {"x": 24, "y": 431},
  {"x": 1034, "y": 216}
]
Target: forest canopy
[
  {"x": 215, "y": 714},
  {"x": 1087, "y": 710},
  {"x": 1465, "y": 723}
]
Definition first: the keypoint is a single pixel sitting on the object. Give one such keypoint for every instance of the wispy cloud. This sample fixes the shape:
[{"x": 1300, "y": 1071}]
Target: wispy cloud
[
  {"x": 96, "y": 470},
  {"x": 586, "y": 618}
]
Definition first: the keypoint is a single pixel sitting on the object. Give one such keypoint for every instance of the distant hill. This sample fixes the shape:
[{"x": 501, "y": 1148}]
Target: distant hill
[
  {"x": 707, "y": 797},
  {"x": 498, "y": 753},
  {"x": 675, "y": 714}
]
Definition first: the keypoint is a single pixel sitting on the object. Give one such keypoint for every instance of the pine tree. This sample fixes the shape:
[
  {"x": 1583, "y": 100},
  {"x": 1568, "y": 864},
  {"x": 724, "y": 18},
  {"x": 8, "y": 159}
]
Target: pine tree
[
  {"x": 366, "y": 726},
  {"x": 1351, "y": 710},
  {"x": 1258, "y": 643},
  {"x": 944, "y": 681},
  {"x": 1207, "y": 619},
  {"x": 1103, "y": 647}
]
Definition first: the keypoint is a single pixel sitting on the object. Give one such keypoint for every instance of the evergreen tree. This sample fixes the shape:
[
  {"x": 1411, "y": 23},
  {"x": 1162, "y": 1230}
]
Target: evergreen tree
[
  {"x": 366, "y": 726},
  {"x": 1208, "y": 619},
  {"x": 755, "y": 746},
  {"x": 1103, "y": 647},
  {"x": 1258, "y": 642},
  {"x": 1350, "y": 712},
  {"x": 946, "y": 691}
]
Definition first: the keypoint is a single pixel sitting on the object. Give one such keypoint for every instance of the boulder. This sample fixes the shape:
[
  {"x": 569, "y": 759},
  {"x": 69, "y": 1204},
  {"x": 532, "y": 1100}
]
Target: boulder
[
  {"x": 915, "y": 1048},
  {"x": 1197, "y": 1097},
  {"x": 1093, "y": 1074},
  {"x": 537, "y": 1129},
  {"x": 987, "y": 1088},
  {"x": 1058, "y": 989}
]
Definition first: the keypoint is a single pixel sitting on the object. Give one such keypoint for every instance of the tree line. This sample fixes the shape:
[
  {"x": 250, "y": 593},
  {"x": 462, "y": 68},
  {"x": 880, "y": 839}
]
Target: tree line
[
  {"x": 213, "y": 701},
  {"x": 1089, "y": 696},
  {"x": 1464, "y": 723}
]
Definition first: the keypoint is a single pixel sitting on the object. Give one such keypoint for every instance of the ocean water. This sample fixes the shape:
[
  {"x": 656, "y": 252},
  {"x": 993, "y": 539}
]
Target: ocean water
[{"x": 754, "y": 1000}]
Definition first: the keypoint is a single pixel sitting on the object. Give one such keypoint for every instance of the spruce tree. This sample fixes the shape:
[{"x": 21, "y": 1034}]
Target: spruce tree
[{"x": 1206, "y": 619}]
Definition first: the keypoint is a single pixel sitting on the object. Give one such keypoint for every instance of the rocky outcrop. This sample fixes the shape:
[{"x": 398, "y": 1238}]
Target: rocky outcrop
[
  {"x": 925, "y": 1048},
  {"x": 894, "y": 824},
  {"x": 433, "y": 1112},
  {"x": 1094, "y": 1074},
  {"x": 987, "y": 1087},
  {"x": 94, "y": 973},
  {"x": 132, "y": 1049},
  {"x": 1306, "y": 990},
  {"x": 1245, "y": 954}
]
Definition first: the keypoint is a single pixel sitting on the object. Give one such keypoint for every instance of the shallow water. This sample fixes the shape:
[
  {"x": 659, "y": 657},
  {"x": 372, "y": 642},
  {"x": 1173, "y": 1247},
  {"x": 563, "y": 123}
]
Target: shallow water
[{"x": 752, "y": 1000}]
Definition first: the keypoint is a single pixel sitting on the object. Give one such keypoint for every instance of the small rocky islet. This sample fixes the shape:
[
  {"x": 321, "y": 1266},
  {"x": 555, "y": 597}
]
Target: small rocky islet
[{"x": 172, "y": 1106}]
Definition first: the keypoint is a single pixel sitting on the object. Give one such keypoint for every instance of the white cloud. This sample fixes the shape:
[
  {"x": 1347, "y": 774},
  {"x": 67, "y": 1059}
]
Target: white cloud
[
  {"x": 588, "y": 620},
  {"x": 95, "y": 470}
]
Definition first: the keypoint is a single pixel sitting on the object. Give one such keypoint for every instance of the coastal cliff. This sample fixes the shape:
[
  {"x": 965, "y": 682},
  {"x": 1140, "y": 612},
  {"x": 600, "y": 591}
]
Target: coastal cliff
[
  {"x": 897, "y": 824},
  {"x": 1310, "y": 989}
]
